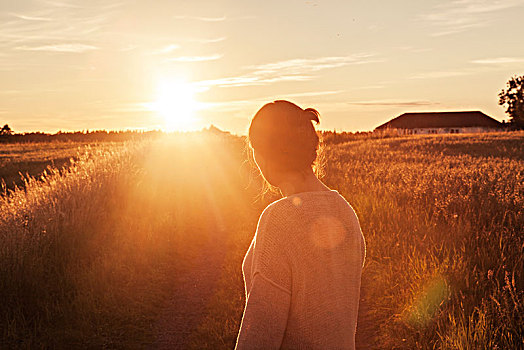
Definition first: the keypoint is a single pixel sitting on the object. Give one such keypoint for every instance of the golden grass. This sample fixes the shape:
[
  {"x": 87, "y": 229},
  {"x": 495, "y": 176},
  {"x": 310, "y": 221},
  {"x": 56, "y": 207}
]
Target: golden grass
[
  {"x": 443, "y": 218},
  {"x": 34, "y": 158},
  {"x": 88, "y": 254}
]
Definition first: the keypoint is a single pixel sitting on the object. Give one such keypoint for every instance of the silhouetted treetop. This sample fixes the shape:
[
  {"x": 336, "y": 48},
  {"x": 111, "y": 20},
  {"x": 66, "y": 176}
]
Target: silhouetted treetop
[
  {"x": 6, "y": 130},
  {"x": 513, "y": 98}
]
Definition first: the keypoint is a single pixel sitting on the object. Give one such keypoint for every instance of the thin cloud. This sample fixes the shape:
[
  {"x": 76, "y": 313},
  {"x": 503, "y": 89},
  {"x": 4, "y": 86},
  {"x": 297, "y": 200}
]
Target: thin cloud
[
  {"x": 206, "y": 41},
  {"x": 85, "y": 5},
  {"x": 461, "y": 15},
  {"x": 415, "y": 49},
  {"x": 298, "y": 69},
  {"x": 440, "y": 74},
  {"x": 499, "y": 60},
  {"x": 56, "y": 23},
  {"x": 393, "y": 103},
  {"x": 195, "y": 58},
  {"x": 314, "y": 93},
  {"x": 166, "y": 49},
  {"x": 204, "y": 19},
  {"x": 300, "y": 65},
  {"x": 371, "y": 87},
  {"x": 469, "y": 70},
  {"x": 251, "y": 80},
  {"x": 58, "y": 4},
  {"x": 229, "y": 106},
  {"x": 69, "y": 48},
  {"x": 30, "y": 18},
  {"x": 212, "y": 19},
  {"x": 457, "y": 27}
]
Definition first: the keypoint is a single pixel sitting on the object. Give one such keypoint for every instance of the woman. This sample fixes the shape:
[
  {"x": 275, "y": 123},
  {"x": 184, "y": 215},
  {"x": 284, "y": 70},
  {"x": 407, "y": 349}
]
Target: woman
[{"x": 302, "y": 270}]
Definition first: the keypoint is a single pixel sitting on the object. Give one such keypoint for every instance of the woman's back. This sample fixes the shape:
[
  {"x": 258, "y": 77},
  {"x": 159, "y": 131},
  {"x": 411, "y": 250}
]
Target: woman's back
[{"x": 309, "y": 246}]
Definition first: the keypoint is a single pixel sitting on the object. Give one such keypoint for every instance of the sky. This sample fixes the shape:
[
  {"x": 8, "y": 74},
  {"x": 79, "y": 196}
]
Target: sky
[{"x": 88, "y": 65}]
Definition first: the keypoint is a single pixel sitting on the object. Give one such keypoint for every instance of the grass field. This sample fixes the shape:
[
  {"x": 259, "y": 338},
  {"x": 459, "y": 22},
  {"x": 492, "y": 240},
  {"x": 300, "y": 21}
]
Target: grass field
[
  {"x": 17, "y": 159},
  {"x": 93, "y": 255}
]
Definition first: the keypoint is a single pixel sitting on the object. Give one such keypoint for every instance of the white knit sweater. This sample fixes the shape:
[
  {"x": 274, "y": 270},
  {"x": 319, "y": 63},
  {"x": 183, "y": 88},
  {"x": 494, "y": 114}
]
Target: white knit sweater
[{"x": 302, "y": 275}]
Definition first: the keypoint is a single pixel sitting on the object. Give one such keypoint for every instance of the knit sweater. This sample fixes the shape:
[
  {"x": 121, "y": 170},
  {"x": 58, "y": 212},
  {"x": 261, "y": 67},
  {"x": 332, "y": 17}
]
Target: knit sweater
[{"x": 302, "y": 275}]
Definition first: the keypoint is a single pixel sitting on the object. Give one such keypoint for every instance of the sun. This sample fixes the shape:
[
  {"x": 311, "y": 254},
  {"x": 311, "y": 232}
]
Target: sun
[{"x": 177, "y": 105}]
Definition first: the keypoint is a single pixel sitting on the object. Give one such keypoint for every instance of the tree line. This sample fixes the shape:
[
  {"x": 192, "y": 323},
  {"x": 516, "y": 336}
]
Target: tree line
[
  {"x": 511, "y": 98},
  {"x": 8, "y": 136}
]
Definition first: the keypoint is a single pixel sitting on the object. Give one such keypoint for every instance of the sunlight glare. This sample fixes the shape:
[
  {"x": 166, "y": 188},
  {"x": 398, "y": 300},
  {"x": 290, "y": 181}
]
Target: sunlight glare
[{"x": 177, "y": 105}]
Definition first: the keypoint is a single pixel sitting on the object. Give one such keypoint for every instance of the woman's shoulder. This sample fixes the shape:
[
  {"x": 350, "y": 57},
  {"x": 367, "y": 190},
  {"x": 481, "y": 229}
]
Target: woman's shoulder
[
  {"x": 293, "y": 210},
  {"x": 297, "y": 203},
  {"x": 274, "y": 226},
  {"x": 278, "y": 206},
  {"x": 278, "y": 212}
]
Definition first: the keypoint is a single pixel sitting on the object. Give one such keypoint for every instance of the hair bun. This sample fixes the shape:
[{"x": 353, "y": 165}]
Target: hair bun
[{"x": 312, "y": 114}]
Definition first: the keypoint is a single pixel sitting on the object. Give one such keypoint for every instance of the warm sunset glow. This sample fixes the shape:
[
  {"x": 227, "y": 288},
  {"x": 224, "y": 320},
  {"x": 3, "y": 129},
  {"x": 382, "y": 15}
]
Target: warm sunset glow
[
  {"x": 177, "y": 105},
  {"x": 73, "y": 65}
]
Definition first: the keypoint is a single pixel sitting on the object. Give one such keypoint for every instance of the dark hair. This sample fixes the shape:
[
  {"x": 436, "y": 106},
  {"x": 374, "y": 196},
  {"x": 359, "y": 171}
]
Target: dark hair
[{"x": 284, "y": 133}]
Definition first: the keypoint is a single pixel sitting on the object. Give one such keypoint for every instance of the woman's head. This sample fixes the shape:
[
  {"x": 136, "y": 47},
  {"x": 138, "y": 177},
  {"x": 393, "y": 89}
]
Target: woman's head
[{"x": 284, "y": 139}]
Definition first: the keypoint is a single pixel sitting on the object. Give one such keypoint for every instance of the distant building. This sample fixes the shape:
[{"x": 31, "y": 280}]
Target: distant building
[{"x": 442, "y": 123}]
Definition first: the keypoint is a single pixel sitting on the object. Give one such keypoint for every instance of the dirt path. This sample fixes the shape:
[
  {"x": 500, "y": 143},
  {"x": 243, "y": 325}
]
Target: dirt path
[
  {"x": 365, "y": 329},
  {"x": 192, "y": 289},
  {"x": 196, "y": 283}
]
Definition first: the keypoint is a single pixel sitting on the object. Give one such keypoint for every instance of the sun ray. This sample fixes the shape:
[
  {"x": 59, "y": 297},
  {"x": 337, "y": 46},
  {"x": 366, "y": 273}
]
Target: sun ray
[{"x": 176, "y": 104}]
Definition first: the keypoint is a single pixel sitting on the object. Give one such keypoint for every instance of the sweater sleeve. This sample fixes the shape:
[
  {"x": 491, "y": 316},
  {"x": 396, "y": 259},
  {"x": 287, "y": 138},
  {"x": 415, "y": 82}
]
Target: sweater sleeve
[
  {"x": 265, "y": 316},
  {"x": 270, "y": 249}
]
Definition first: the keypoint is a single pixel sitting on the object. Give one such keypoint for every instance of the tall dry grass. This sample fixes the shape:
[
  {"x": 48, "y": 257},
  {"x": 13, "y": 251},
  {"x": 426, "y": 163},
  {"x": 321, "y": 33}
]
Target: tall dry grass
[
  {"x": 89, "y": 255},
  {"x": 51, "y": 230},
  {"x": 34, "y": 158},
  {"x": 443, "y": 217}
]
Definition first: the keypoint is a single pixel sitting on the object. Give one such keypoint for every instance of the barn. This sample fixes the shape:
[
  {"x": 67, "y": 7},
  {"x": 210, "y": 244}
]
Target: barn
[{"x": 442, "y": 123}]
